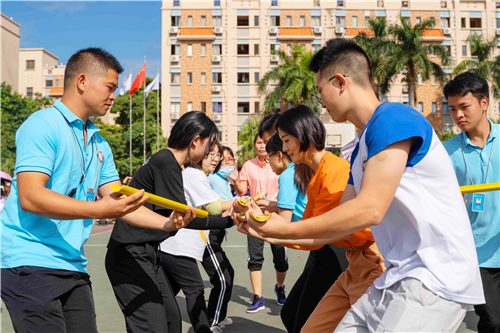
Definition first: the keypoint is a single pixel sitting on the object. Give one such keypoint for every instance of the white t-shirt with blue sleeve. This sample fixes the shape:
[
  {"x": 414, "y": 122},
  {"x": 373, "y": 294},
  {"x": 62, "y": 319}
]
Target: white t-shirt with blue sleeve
[
  {"x": 426, "y": 233},
  {"x": 289, "y": 196}
]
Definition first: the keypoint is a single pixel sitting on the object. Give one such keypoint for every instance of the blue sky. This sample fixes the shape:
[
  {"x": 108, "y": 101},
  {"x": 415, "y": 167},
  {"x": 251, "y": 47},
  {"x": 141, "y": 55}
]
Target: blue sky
[{"x": 129, "y": 30}]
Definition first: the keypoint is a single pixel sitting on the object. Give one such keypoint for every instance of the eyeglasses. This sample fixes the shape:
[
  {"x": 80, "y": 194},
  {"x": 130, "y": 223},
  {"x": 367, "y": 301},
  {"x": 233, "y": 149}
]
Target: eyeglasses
[
  {"x": 214, "y": 156},
  {"x": 229, "y": 160},
  {"x": 318, "y": 90},
  {"x": 268, "y": 157}
]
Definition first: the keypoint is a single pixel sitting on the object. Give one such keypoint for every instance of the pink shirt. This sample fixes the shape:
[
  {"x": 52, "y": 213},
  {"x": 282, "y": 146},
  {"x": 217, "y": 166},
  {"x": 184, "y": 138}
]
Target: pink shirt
[{"x": 260, "y": 178}]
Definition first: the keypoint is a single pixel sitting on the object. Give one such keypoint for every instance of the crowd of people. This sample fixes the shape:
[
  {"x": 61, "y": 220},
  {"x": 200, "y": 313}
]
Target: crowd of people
[{"x": 393, "y": 245}]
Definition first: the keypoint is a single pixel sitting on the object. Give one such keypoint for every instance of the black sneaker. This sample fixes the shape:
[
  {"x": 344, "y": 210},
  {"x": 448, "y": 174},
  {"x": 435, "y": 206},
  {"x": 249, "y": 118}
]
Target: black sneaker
[
  {"x": 280, "y": 293},
  {"x": 257, "y": 304}
]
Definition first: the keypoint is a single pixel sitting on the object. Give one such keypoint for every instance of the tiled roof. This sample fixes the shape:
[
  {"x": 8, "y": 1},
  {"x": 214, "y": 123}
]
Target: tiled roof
[
  {"x": 356, "y": 31},
  {"x": 196, "y": 32},
  {"x": 296, "y": 32},
  {"x": 433, "y": 33},
  {"x": 58, "y": 90}
]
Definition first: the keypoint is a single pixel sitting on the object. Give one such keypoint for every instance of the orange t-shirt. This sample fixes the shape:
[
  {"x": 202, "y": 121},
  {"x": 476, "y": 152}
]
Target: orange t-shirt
[{"x": 324, "y": 193}]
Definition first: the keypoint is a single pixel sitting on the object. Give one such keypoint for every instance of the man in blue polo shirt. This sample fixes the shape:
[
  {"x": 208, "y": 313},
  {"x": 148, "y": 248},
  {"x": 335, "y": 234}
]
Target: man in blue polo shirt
[
  {"x": 475, "y": 154},
  {"x": 61, "y": 163}
]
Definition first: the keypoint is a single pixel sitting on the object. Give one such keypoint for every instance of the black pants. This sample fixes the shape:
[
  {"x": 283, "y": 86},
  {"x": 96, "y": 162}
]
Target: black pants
[
  {"x": 142, "y": 289},
  {"x": 184, "y": 274},
  {"x": 221, "y": 273},
  {"x": 43, "y": 299},
  {"x": 489, "y": 313},
  {"x": 256, "y": 255},
  {"x": 321, "y": 271}
]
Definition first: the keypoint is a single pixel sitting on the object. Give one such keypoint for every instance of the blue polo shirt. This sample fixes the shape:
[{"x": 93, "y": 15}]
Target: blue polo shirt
[
  {"x": 44, "y": 144},
  {"x": 485, "y": 225},
  {"x": 289, "y": 196}
]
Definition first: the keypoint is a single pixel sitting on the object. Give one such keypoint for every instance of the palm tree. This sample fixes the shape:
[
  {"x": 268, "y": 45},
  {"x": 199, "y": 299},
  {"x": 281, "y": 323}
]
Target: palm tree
[
  {"x": 410, "y": 56},
  {"x": 481, "y": 64},
  {"x": 295, "y": 81},
  {"x": 245, "y": 140}
]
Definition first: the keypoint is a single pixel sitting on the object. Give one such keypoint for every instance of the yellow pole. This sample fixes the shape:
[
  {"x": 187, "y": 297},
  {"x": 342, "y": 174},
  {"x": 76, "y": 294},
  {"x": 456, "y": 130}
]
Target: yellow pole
[{"x": 480, "y": 188}]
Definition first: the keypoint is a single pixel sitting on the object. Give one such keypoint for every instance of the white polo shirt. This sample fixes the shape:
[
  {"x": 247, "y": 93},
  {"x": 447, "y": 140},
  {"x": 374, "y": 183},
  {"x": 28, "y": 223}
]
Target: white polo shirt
[{"x": 426, "y": 233}]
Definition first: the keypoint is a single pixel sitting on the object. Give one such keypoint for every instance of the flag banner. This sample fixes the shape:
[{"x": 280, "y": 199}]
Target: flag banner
[
  {"x": 154, "y": 85},
  {"x": 139, "y": 80},
  {"x": 126, "y": 84}
]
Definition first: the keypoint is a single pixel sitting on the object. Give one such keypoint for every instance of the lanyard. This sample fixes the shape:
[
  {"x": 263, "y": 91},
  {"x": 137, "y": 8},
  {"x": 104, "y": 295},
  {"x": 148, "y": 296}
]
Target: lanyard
[{"x": 467, "y": 166}]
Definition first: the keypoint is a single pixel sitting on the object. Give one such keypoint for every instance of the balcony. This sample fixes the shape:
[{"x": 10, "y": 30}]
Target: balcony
[
  {"x": 296, "y": 34},
  {"x": 196, "y": 34}
]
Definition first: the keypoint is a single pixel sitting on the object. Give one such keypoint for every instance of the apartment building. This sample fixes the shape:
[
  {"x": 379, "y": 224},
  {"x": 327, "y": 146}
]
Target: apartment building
[
  {"x": 10, "y": 51},
  {"x": 215, "y": 52}
]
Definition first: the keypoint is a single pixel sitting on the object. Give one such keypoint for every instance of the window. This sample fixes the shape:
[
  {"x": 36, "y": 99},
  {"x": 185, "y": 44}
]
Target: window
[
  {"x": 340, "y": 21},
  {"x": 216, "y": 21},
  {"x": 243, "y": 21},
  {"x": 316, "y": 21},
  {"x": 50, "y": 71},
  {"x": 177, "y": 3},
  {"x": 175, "y": 78},
  {"x": 433, "y": 79},
  {"x": 216, "y": 49},
  {"x": 30, "y": 64},
  {"x": 380, "y": 3},
  {"x": 316, "y": 3},
  {"x": 256, "y": 49},
  {"x": 216, "y": 77},
  {"x": 498, "y": 23},
  {"x": 497, "y": 5},
  {"x": 29, "y": 91},
  {"x": 204, "y": 107},
  {"x": 243, "y": 49},
  {"x": 175, "y": 49},
  {"x": 355, "y": 21},
  {"x": 444, "y": 4},
  {"x": 275, "y": 48},
  {"x": 176, "y": 21},
  {"x": 421, "y": 107},
  {"x": 275, "y": 21},
  {"x": 446, "y": 108},
  {"x": 57, "y": 83},
  {"x": 434, "y": 107},
  {"x": 256, "y": 77},
  {"x": 190, "y": 78},
  {"x": 405, "y": 3},
  {"x": 367, "y": 21},
  {"x": 256, "y": 21},
  {"x": 302, "y": 21},
  {"x": 464, "y": 24},
  {"x": 405, "y": 19},
  {"x": 419, "y": 20},
  {"x": 464, "y": 50},
  {"x": 175, "y": 107},
  {"x": 190, "y": 106},
  {"x": 190, "y": 21},
  {"x": 216, "y": 2},
  {"x": 243, "y": 78},
  {"x": 256, "y": 107},
  {"x": 48, "y": 83},
  {"x": 316, "y": 47},
  {"x": 445, "y": 22},
  {"x": 190, "y": 50},
  {"x": 217, "y": 107},
  {"x": 340, "y": 3},
  {"x": 243, "y": 107},
  {"x": 475, "y": 22},
  {"x": 419, "y": 78},
  {"x": 203, "y": 78},
  {"x": 288, "y": 21},
  {"x": 203, "y": 21},
  {"x": 289, "y": 49},
  {"x": 432, "y": 20},
  {"x": 203, "y": 49},
  {"x": 274, "y": 3}
]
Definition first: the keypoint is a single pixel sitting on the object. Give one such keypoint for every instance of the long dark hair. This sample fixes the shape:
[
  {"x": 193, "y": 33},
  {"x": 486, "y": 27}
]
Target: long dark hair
[
  {"x": 302, "y": 178},
  {"x": 188, "y": 127}
]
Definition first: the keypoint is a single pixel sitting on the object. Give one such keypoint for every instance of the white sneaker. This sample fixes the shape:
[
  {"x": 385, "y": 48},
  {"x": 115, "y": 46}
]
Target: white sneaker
[
  {"x": 226, "y": 322},
  {"x": 216, "y": 329}
]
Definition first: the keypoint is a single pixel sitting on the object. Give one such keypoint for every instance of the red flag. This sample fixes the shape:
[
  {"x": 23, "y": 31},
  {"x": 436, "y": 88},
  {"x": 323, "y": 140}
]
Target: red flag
[{"x": 139, "y": 80}]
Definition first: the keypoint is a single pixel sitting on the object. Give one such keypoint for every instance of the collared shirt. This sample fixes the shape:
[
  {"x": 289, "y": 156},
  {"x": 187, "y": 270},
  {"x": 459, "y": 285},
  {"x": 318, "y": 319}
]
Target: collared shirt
[
  {"x": 45, "y": 144},
  {"x": 485, "y": 225},
  {"x": 289, "y": 196},
  {"x": 260, "y": 178}
]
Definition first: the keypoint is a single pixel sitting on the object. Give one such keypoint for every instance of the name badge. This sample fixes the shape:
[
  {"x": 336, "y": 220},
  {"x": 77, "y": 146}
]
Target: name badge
[
  {"x": 90, "y": 196},
  {"x": 478, "y": 202}
]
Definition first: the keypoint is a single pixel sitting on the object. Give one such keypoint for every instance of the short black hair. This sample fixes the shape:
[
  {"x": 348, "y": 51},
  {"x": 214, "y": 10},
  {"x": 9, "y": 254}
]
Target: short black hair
[
  {"x": 257, "y": 136},
  {"x": 268, "y": 123},
  {"x": 343, "y": 56},
  {"x": 226, "y": 148},
  {"x": 90, "y": 61},
  {"x": 301, "y": 122},
  {"x": 465, "y": 83}
]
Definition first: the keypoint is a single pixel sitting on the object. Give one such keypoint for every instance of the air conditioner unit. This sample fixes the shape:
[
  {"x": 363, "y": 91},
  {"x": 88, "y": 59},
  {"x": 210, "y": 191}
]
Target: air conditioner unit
[
  {"x": 175, "y": 116},
  {"x": 339, "y": 30},
  {"x": 174, "y": 30},
  {"x": 216, "y": 117},
  {"x": 216, "y": 88},
  {"x": 405, "y": 89},
  {"x": 318, "y": 30},
  {"x": 175, "y": 58},
  {"x": 274, "y": 30},
  {"x": 219, "y": 30},
  {"x": 498, "y": 32},
  {"x": 447, "y": 31},
  {"x": 275, "y": 58},
  {"x": 216, "y": 58}
]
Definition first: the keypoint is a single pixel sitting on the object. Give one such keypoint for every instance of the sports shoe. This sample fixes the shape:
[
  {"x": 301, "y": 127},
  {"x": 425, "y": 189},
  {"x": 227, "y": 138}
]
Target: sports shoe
[
  {"x": 280, "y": 293},
  {"x": 216, "y": 329},
  {"x": 226, "y": 322},
  {"x": 257, "y": 304}
]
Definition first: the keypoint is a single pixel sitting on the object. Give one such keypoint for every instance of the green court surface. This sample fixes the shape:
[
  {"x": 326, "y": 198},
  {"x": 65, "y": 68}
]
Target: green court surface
[{"x": 110, "y": 318}]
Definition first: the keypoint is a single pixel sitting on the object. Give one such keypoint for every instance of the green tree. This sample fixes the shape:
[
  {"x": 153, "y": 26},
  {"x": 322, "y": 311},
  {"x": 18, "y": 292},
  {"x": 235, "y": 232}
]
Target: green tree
[
  {"x": 295, "y": 81},
  {"x": 445, "y": 135},
  {"x": 481, "y": 63},
  {"x": 245, "y": 140},
  {"x": 15, "y": 110},
  {"x": 410, "y": 56}
]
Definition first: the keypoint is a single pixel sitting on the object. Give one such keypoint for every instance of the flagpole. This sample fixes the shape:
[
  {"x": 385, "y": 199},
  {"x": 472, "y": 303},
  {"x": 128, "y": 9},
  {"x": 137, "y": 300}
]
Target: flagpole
[
  {"x": 144, "y": 122},
  {"x": 158, "y": 114},
  {"x": 130, "y": 124}
]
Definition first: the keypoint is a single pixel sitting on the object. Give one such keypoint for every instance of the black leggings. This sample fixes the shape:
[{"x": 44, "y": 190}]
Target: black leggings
[{"x": 489, "y": 313}]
